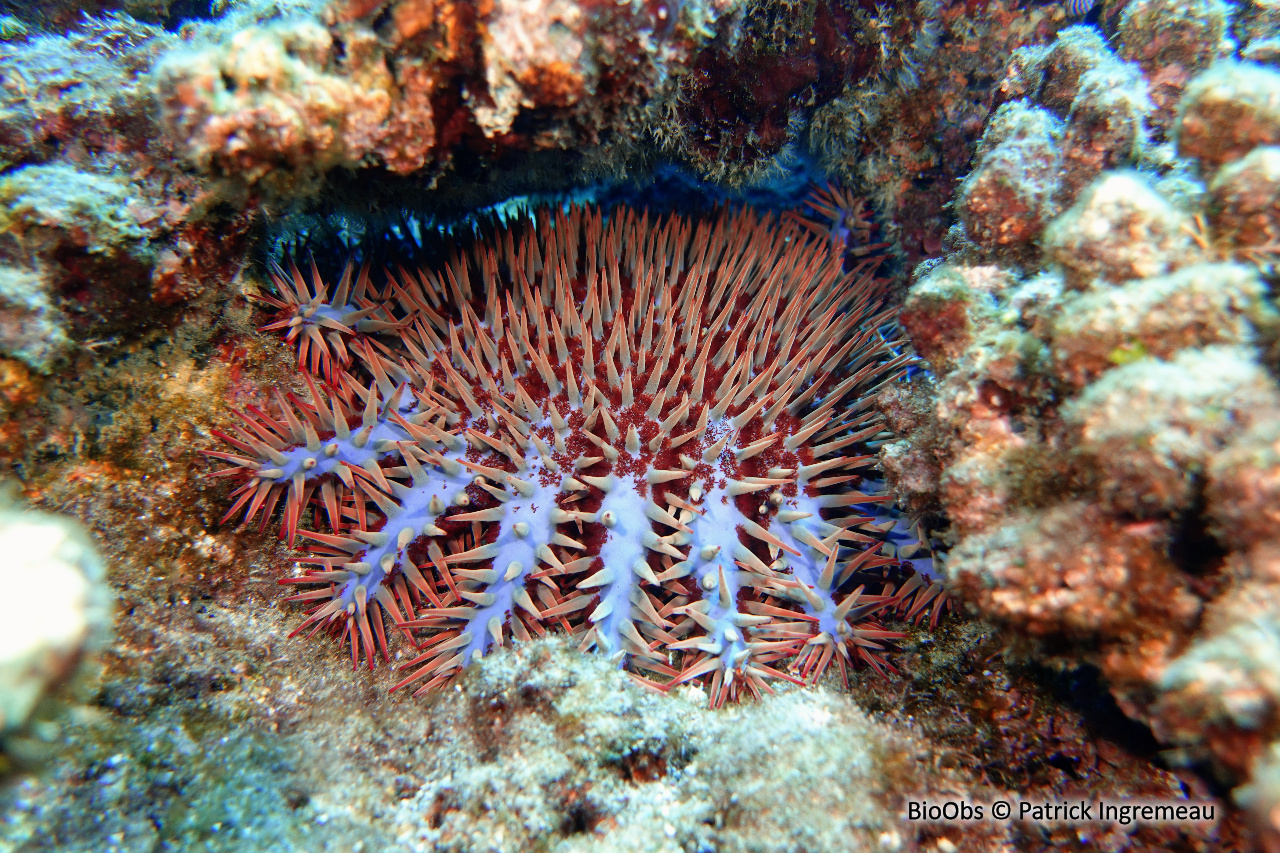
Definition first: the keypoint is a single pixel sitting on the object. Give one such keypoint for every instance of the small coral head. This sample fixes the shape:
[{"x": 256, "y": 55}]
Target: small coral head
[{"x": 642, "y": 432}]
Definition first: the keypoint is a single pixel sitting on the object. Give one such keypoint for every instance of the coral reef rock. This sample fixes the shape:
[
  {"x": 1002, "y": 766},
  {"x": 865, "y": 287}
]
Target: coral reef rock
[
  {"x": 535, "y": 432},
  {"x": 572, "y": 747},
  {"x": 148, "y": 141},
  {"x": 1099, "y": 428}
]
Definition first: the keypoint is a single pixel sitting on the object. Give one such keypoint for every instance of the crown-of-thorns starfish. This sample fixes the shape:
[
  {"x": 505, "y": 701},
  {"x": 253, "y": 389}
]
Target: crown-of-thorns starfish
[{"x": 643, "y": 432}]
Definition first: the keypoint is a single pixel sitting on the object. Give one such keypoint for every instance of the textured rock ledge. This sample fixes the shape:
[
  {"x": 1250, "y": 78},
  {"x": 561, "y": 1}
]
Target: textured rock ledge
[{"x": 1103, "y": 338}]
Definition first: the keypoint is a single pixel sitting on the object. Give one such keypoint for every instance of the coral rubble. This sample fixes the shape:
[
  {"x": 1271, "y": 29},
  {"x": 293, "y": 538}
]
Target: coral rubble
[
  {"x": 540, "y": 745},
  {"x": 640, "y": 776}
]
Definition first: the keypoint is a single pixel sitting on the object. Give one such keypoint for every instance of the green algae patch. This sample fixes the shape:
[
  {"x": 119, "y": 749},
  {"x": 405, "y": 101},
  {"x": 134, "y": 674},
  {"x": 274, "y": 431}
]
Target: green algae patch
[{"x": 1128, "y": 353}]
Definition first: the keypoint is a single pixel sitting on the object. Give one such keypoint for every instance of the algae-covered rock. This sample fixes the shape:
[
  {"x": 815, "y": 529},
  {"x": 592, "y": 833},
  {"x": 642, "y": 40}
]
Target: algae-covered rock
[
  {"x": 1228, "y": 679},
  {"x": 57, "y": 204},
  {"x": 1246, "y": 201},
  {"x": 1228, "y": 111},
  {"x": 1158, "y": 316},
  {"x": 1231, "y": 675},
  {"x": 1150, "y": 427},
  {"x": 1107, "y": 121},
  {"x": 270, "y": 103},
  {"x": 56, "y": 615},
  {"x": 1112, "y": 498},
  {"x": 1257, "y": 26},
  {"x": 1262, "y": 795},
  {"x": 31, "y": 326},
  {"x": 941, "y": 314},
  {"x": 1073, "y": 571},
  {"x": 1064, "y": 64},
  {"x": 1008, "y": 197},
  {"x": 1163, "y": 33},
  {"x": 1119, "y": 229},
  {"x": 1243, "y": 486},
  {"x": 545, "y": 746}
]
